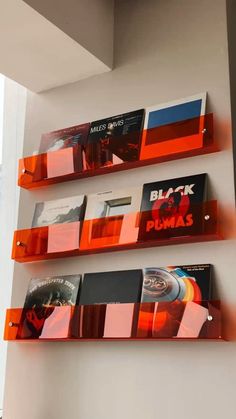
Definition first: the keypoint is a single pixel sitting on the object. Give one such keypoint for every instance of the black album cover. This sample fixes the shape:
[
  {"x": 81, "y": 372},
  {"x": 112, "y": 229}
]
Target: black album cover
[
  {"x": 43, "y": 296},
  {"x": 114, "y": 140},
  {"x": 111, "y": 287},
  {"x": 182, "y": 283},
  {"x": 170, "y": 208}
]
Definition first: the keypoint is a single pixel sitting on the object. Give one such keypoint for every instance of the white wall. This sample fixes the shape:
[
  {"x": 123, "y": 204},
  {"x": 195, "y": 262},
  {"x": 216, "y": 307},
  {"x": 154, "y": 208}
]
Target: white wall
[
  {"x": 38, "y": 54},
  {"x": 13, "y": 128},
  {"x": 164, "y": 50},
  {"x": 90, "y": 23},
  {"x": 1, "y": 113}
]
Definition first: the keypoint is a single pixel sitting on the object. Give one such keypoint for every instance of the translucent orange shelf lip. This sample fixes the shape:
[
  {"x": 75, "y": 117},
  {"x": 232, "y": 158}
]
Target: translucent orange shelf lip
[
  {"x": 175, "y": 141},
  {"x": 76, "y": 239},
  {"x": 141, "y": 321}
]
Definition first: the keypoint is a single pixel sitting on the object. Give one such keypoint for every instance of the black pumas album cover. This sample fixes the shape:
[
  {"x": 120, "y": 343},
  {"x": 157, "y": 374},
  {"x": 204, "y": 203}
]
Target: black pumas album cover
[
  {"x": 111, "y": 287},
  {"x": 169, "y": 207},
  {"x": 47, "y": 309},
  {"x": 114, "y": 140},
  {"x": 60, "y": 211},
  {"x": 182, "y": 283}
]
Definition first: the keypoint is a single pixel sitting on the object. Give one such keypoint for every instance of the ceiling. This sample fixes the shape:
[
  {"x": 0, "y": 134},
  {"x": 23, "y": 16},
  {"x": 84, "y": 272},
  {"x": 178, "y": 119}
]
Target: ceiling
[{"x": 41, "y": 54}]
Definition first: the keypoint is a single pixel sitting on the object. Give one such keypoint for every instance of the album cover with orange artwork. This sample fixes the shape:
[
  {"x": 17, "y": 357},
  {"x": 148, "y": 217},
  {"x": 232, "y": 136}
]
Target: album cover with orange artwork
[
  {"x": 182, "y": 283},
  {"x": 172, "y": 208},
  {"x": 174, "y": 300}
]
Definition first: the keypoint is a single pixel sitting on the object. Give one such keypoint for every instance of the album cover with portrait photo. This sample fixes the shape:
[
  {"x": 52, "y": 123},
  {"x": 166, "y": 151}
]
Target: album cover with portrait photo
[
  {"x": 47, "y": 308},
  {"x": 172, "y": 207},
  {"x": 114, "y": 140}
]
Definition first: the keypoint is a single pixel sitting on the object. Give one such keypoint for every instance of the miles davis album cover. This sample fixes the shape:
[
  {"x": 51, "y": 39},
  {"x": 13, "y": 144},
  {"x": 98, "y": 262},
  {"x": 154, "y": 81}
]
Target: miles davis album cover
[{"x": 114, "y": 140}]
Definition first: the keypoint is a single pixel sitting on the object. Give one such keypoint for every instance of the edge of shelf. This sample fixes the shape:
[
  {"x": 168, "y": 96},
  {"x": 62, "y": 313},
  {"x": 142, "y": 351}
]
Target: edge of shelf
[
  {"x": 123, "y": 247},
  {"x": 74, "y": 323},
  {"x": 175, "y": 339},
  {"x": 213, "y": 148}
]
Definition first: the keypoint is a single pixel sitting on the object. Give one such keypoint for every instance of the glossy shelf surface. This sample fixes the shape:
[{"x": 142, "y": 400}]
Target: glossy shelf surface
[
  {"x": 111, "y": 234},
  {"x": 169, "y": 142},
  {"x": 140, "y": 321}
]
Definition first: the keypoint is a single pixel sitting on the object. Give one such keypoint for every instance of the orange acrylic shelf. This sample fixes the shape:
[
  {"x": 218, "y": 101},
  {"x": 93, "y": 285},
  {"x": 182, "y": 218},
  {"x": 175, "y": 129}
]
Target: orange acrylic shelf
[
  {"x": 140, "y": 321},
  {"x": 110, "y": 234},
  {"x": 161, "y": 144}
]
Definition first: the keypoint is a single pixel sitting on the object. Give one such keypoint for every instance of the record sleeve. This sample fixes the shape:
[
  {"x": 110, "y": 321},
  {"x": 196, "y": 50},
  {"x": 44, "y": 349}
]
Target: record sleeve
[
  {"x": 111, "y": 217},
  {"x": 62, "y": 152},
  {"x": 172, "y": 208},
  {"x": 182, "y": 283},
  {"x": 53, "y": 291},
  {"x": 60, "y": 211},
  {"x": 111, "y": 287},
  {"x": 114, "y": 140},
  {"x": 174, "y": 127},
  {"x": 40, "y": 315},
  {"x": 64, "y": 138}
]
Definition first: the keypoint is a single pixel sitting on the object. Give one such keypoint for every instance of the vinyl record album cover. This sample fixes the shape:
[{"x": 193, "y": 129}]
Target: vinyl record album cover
[
  {"x": 182, "y": 283},
  {"x": 174, "y": 127},
  {"x": 53, "y": 291},
  {"x": 111, "y": 217},
  {"x": 60, "y": 211},
  {"x": 111, "y": 287},
  {"x": 47, "y": 308},
  {"x": 63, "y": 138},
  {"x": 170, "y": 207},
  {"x": 114, "y": 140}
]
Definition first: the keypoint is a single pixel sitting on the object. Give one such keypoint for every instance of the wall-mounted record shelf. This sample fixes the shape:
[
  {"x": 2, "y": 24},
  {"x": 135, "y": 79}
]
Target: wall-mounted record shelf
[
  {"x": 140, "y": 321},
  {"x": 67, "y": 164},
  {"x": 65, "y": 240}
]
